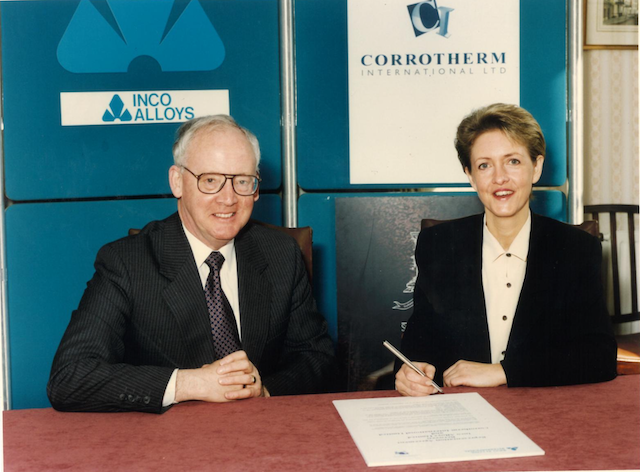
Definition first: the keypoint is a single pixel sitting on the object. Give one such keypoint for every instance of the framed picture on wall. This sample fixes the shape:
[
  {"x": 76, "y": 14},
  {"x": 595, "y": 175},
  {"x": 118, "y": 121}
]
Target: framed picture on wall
[{"x": 611, "y": 24}]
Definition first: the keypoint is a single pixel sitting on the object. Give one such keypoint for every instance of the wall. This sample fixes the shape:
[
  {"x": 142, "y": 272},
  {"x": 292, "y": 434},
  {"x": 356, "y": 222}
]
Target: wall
[{"x": 611, "y": 127}]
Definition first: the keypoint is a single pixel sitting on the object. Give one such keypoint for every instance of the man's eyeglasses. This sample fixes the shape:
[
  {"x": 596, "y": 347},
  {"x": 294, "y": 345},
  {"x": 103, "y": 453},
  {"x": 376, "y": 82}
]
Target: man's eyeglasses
[{"x": 210, "y": 183}]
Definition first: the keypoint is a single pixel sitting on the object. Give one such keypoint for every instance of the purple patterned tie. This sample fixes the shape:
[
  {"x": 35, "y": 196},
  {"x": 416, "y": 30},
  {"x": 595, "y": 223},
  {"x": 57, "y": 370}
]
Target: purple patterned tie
[{"x": 223, "y": 323}]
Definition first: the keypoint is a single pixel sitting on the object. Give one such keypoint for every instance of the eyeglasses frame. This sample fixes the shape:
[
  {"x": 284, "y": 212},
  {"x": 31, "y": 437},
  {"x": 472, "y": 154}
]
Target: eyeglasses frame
[{"x": 227, "y": 177}]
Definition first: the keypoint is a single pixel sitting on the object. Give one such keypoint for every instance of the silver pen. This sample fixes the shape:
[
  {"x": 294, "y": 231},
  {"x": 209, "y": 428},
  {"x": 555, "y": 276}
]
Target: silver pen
[{"x": 404, "y": 359}]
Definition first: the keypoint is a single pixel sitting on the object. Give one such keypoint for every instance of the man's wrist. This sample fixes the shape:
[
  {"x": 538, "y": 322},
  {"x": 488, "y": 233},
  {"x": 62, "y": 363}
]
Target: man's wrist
[{"x": 185, "y": 386}]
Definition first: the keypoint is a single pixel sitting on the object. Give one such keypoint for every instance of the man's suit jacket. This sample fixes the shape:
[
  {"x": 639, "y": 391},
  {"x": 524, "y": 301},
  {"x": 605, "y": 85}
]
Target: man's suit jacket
[
  {"x": 143, "y": 314},
  {"x": 561, "y": 333}
]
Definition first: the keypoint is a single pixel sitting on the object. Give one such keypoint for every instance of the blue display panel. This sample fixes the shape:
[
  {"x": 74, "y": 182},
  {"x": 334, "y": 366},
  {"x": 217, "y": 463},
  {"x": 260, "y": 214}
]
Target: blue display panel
[
  {"x": 543, "y": 79},
  {"x": 551, "y": 203},
  {"x": 322, "y": 81},
  {"x": 323, "y": 100},
  {"x": 54, "y": 47},
  {"x": 318, "y": 211},
  {"x": 51, "y": 248}
]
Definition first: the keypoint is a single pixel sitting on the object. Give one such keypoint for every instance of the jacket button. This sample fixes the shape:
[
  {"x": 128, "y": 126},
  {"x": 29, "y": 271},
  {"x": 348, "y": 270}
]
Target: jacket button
[{"x": 504, "y": 317}]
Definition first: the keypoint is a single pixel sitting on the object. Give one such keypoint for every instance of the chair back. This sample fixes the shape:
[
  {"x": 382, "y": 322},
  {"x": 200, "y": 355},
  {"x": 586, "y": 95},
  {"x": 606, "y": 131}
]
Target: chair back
[
  {"x": 429, "y": 223},
  {"x": 612, "y": 211},
  {"x": 303, "y": 236}
]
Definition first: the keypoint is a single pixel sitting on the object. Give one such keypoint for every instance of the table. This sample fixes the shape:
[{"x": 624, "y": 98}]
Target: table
[{"x": 582, "y": 427}]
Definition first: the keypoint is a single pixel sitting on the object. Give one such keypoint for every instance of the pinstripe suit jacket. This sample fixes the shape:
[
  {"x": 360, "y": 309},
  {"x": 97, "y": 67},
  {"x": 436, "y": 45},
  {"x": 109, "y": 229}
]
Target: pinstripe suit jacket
[
  {"x": 561, "y": 333},
  {"x": 143, "y": 314}
]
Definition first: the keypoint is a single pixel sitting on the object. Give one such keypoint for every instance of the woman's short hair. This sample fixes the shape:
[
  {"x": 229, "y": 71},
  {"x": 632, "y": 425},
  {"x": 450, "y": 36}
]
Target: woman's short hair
[
  {"x": 187, "y": 131},
  {"x": 515, "y": 122}
]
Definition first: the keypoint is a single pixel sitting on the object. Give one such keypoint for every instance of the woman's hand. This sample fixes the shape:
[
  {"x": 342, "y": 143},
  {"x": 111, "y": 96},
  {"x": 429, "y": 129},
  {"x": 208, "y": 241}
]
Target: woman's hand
[
  {"x": 474, "y": 374},
  {"x": 413, "y": 384}
]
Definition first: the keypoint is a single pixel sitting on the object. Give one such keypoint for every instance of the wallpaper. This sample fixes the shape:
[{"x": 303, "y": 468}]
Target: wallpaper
[{"x": 611, "y": 126}]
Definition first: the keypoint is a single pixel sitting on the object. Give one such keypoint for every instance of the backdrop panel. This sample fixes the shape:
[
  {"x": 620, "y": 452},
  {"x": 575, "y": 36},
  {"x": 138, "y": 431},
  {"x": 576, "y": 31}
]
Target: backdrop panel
[
  {"x": 323, "y": 89},
  {"x": 376, "y": 274},
  {"x": 51, "y": 248},
  {"x": 142, "y": 67}
]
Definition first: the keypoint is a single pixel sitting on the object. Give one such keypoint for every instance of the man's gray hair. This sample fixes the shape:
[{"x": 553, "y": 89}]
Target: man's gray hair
[{"x": 186, "y": 132}]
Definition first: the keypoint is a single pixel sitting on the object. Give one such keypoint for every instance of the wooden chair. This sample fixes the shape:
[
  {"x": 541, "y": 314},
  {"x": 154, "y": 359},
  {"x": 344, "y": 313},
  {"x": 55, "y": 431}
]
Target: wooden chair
[
  {"x": 628, "y": 357},
  {"x": 303, "y": 236},
  {"x": 628, "y": 344}
]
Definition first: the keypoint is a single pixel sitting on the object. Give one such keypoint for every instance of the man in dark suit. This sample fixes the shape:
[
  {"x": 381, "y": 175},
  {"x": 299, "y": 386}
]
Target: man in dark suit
[{"x": 150, "y": 327}]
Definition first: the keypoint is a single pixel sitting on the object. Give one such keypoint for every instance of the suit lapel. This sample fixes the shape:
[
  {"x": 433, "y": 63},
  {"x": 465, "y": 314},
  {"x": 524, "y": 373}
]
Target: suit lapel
[
  {"x": 471, "y": 278},
  {"x": 470, "y": 273},
  {"x": 184, "y": 294},
  {"x": 254, "y": 291}
]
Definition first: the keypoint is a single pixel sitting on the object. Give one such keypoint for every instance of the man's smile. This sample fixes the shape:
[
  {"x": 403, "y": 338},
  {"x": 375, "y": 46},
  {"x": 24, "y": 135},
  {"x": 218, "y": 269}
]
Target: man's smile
[{"x": 224, "y": 215}]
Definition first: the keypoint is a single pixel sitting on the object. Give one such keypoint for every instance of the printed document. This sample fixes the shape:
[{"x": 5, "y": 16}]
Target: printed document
[{"x": 437, "y": 428}]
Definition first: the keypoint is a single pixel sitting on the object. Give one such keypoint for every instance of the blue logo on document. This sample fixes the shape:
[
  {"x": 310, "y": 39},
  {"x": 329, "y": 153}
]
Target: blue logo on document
[
  {"x": 108, "y": 35},
  {"x": 116, "y": 111},
  {"x": 512, "y": 448},
  {"x": 426, "y": 16}
]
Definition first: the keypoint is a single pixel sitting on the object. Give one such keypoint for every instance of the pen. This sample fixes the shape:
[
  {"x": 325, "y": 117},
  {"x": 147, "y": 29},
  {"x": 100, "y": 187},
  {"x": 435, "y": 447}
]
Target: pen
[{"x": 404, "y": 359}]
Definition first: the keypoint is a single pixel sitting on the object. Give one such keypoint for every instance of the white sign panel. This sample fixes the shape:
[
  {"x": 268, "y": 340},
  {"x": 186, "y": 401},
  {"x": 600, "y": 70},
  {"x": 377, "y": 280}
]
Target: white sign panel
[
  {"x": 415, "y": 70},
  {"x": 140, "y": 107}
]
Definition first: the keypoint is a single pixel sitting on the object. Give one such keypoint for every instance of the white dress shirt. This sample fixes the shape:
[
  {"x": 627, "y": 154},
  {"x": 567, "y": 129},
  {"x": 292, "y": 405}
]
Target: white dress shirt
[
  {"x": 503, "y": 274},
  {"x": 228, "y": 281}
]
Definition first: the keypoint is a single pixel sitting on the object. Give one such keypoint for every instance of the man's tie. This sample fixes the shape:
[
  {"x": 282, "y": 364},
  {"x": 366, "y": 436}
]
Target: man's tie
[{"x": 223, "y": 323}]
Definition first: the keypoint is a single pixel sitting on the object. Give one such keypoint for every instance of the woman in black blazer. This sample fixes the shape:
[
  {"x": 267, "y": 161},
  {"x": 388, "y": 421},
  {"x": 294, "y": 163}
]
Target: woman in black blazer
[{"x": 507, "y": 297}]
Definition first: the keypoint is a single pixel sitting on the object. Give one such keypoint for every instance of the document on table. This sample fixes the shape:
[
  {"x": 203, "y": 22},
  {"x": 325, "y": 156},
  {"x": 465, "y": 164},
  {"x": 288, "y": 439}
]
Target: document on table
[{"x": 437, "y": 428}]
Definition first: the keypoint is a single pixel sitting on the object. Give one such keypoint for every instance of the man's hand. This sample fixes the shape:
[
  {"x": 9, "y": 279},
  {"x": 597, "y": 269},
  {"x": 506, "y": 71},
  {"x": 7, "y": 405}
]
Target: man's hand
[
  {"x": 233, "y": 377},
  {"x": 237, "y": 370},
  {"x": 413, "y": 384},
  {"x": 474, "y": 374}
]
